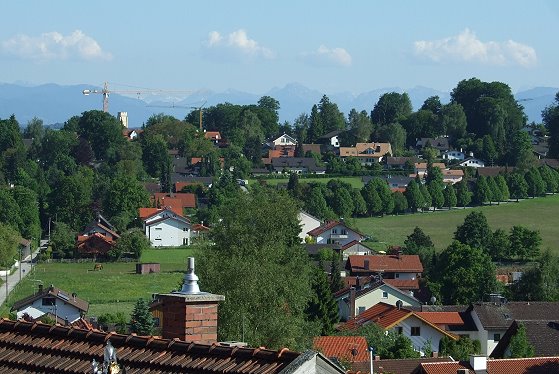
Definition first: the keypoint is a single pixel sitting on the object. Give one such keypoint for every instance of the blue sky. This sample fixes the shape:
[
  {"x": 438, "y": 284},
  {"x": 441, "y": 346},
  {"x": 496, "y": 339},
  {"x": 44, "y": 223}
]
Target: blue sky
[{"x": 253, "y": 46}]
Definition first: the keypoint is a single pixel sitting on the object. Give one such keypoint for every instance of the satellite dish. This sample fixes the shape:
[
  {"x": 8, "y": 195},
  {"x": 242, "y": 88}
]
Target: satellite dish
[{"x": 433, "y": 300}]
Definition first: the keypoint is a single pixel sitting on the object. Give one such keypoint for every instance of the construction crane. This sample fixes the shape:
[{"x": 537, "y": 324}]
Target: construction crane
[
  {"x": 198, "y": 108},
  {"x": 106, "y": 91}
]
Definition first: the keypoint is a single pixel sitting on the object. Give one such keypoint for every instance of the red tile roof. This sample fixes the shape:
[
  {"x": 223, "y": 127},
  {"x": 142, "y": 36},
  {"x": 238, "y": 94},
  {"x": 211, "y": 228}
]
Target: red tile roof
[
  {"x": 212, "y": 135},
  {"x": 199, "y": 227},
  {"x": 188, "y": 200},
  {"x": 145, "y": 213},
  {"x": 384, "y": 315},
  {"x": 442, "y": 318},
  {"x": 403, "y": 284},
  {"x": 343, "y": 347},
  {"x": 385, "y": 263},
  {"x": 534, "y": 365},
  {"x": 38, "y": 348}
]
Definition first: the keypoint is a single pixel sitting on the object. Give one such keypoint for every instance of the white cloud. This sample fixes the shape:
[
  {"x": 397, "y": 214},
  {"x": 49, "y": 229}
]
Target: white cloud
[
  {"x": 466, "y": 47},
  {"x": 237, "y": 45},
  {"x": 54, "y": 46},
  {"x": 325, "y": 56}
]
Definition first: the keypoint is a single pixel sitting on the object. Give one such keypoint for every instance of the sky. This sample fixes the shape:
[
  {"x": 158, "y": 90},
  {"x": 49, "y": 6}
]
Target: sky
[{"x": 253, "y": 46}]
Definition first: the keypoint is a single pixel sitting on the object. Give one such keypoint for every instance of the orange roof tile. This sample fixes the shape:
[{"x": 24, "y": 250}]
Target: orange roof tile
[
  {"x": 404, "y": 284},
  {"x": 453, "y": 173},
  {"x": 213, "y": 135},
  {"x": 386, "y": 263},
  {"x": 146, "y": 212},
  {"x": 382, "y": 314},
  {"x": 442, "y": 318},
  {"x": 188, "y": 200},
  {"x": 343, "y": 347}
]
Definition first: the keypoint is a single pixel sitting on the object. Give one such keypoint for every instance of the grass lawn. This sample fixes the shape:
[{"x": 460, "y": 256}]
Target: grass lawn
[
  {"x": 356, "y": 182},
  {"x": 116, "y": 288},
  {"x": 536, "y": 214}
]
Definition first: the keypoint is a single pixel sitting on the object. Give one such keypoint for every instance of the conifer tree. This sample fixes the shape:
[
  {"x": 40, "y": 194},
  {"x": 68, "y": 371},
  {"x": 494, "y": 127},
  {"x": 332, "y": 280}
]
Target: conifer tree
[
  {"x": 322, "y": 307},
  {"x": 141, "y": 320},
  {"x": 519, "y": 345}
]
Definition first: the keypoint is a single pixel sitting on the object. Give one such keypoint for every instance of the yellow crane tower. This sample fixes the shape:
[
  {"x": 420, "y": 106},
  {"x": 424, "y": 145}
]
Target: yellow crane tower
[{"x": 106, "y": 91}]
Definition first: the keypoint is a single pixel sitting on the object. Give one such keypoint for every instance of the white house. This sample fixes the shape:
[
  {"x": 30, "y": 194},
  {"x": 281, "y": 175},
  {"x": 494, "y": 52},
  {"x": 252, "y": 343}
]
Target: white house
[
  {"x": 398, "y": 319},
  {"x": 166, "y": 228},
  {"x": 307, "y": 223},
  {"x": 58, "y": 304},
  {"x": 354, "y": 301},
  {"x": 332, "y": 138},
  {"x": 335, "y": 232},
  {"x": 472, "y": 162},
  {"x": 454, "y": 155},
  {"x": 284, "y": 140}
]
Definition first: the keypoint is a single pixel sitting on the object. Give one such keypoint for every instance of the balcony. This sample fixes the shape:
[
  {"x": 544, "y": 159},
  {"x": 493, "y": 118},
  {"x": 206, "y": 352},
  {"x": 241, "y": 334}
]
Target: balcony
[{"x": 338, "y": 236}]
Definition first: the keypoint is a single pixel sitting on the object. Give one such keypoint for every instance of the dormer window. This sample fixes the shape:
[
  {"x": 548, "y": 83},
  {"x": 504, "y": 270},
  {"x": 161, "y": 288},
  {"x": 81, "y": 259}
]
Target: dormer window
[{"x": 334, "y": 231}]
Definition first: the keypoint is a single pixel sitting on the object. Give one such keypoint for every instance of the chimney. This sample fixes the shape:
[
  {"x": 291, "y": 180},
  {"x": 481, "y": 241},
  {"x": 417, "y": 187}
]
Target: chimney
[
  {"x": 478, "y": 362},
  {"x": 357, "y": 282},
  {"x": 40, "y": 288},
  {"x": 190, "y": 314},
  {"x": 74, "y": 296},
  {"x": 366, "y": 264},
  {"x": 434, "y": 354},
  {"x": 352, "y": 302},
  {"x": 463, "y": 371}
]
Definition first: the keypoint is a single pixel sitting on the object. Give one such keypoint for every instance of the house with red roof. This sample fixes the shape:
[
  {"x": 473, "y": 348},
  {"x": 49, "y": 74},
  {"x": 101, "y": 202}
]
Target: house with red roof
[
  {"x": 400, "y": 320},
  {"x": 165, "y": 227},
  {"x": 480, "y": 364},
  {"x": 354, "y": 300},
  {"x": 347, "y": 349},
  {"x": 185, "y": 200},
  {"x": 214, "y": 136},
  {"x": 392, "y": 266},
  {"x": 335, "y": 232}
]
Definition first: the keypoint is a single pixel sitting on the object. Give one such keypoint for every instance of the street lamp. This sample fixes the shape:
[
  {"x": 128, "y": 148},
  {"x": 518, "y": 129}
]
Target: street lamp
[{"x": 371, "y": 353}]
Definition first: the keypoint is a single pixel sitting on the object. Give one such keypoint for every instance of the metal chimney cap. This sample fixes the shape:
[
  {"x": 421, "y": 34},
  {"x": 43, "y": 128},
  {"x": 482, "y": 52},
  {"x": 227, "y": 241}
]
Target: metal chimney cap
[{"x": 190, "y": 284}]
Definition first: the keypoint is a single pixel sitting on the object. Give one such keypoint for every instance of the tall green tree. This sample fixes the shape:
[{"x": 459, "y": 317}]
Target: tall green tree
[
  {"x": 539, "y": 283},
  {"x": 550, "y": 179},
  {"x": 482, "y": 193},
  {"x": 550, "y": 117},
  {"x": 322, "y": 306},
  {"x": 330, "y": 116},
  {"x": 414, "y": 196},
  {"x": 466, "y": 274},
  {"x": 536, "y": 185},
  {"x": 519, "y": 345},
  {"x": 141, "y": 320},
  {"x": 400, "y": 202},
  {"x": 517, "y": 186},
  {"x": 316, "y": 127},
  {"x": 499, "y": 245},
  {"x": 254, "y": 258},
  {"x": 503, "y": 187},
  {"x": 102, "y": 131},
  {"x": 9, "y": 243},
  {"x": 133, "y": 242},
  {"x": 463, "y": 194},
  {"x": 524, "y": 243},
  {"x": 125, "y": 196},
  {"x": 437, "y": 194},
  {"x": 475, "y": 231},
  {"x": 450, "y": 199},
  {"x": 391, "y": 108},
  {"x": 63, "y": 240}
]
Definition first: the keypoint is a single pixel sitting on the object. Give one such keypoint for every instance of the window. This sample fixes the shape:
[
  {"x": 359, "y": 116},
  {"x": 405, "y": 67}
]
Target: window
[
  {"x": 399, "y": 330},
  {"x": 384, "y": 295},
  {"x": 360, "y": 310},
  {"x": 496, "y": 337},
  {"x": 344, "y": 232},
  {"x": 415, "y": 331},
  {"x": 185, "y": 229},
  {"x": 158, "y": 228},
  {"x": 397, "y": 275},
  {"x": 334, "y": 231}
]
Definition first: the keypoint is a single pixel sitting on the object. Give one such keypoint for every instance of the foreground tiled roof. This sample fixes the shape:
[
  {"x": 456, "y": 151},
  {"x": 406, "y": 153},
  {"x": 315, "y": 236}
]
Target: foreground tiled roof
[
  {"x": 385, "y": 263},
  {"x": 27, "y": 347},
  {"x": 344, "y": 348},
  {"x": 536, "y": 365}
]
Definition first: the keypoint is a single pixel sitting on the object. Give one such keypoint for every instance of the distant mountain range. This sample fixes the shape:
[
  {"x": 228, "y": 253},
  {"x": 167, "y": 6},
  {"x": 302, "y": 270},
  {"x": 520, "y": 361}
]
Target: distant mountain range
[{"x": 54, "y": 104}]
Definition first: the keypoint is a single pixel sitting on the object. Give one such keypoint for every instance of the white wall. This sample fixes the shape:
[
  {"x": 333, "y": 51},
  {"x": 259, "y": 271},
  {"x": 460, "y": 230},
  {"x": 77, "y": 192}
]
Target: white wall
[
  {"x": 427, "y": 333},
  {"x": 62, "y": 310},
  {"x": 307, "y": 223},
  {"x": 168, "y": 233},
  {"x": 351, "y": 236}
]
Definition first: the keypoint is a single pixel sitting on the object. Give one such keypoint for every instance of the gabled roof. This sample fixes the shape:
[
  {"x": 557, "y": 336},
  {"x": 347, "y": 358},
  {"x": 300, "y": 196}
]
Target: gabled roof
[
  {"x": 493, "y": 171},
  {"x": 424, "y": 165},
  {"x": 400, "y": 160},
  {"x": 343, "y": 348},
  {"x": 146, "y": 213},
  {"x": 296, "y": 162},
  {"x": 395, "y": 366},
  {"x": 403, "y": 284},
  {"x": 213, "y": 135},
  {"x": 534, "y": 365},
  {"x": 38, "y": 348},
  {"x": 172, "y": 217},
  {"x": 500, "y": 316},
  {"x": 385, "y": 263},
  {"x": 370, "y": 284},
  {"x": 289, "y": 137},
  {"x": 55, "y": 292},
  {"x": 314, "y": 148},
  {"x": 387, "y": 316},
  {"x": 379, "y": 150},
  {"x": 543, "y": 335},
  {"x": 330, "y": 225},
  {"x": 453, "y": 173},
  {"x": 442, "y": 318}
]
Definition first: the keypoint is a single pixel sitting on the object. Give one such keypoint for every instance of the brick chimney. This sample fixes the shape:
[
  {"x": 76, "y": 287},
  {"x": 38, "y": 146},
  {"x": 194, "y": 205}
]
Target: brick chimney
[
  {"x": 190, "y": 314},
  {"x": 352, "y": 293}
]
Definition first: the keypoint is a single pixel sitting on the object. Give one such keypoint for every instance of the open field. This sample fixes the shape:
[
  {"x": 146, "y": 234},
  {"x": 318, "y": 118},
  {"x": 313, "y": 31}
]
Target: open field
[
  {"x": 113, "y": 289},
  {"x": 536, "y": 214},
  {"x": 356, "y": 182}
]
